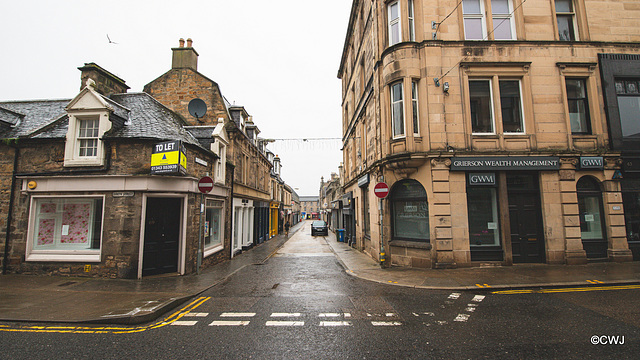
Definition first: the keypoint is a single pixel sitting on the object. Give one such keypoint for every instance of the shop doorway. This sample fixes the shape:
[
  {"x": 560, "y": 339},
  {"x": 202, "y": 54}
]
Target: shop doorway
[
  {"x": 592, "y": 225},
  {"x": 525, "y": 219},
  {"x": 161, "y": 236}
]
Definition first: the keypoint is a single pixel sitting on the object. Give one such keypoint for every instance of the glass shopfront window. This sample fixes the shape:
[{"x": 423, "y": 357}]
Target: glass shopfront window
[
  {"x": 213, "y": 230},
  {"x": 410, "y": 211},
  {"x": 482, "y": 204}
]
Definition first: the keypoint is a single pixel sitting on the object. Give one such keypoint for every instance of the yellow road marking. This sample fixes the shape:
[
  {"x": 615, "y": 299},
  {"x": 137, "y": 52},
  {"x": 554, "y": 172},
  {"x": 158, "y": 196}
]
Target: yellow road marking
[
  {"x": 483, "y": 285},
  {"x": 107, "y": 329},
  {"x": 563, "y": 290}
]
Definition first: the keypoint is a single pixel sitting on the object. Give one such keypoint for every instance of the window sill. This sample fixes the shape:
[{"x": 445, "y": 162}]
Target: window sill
[
  {"x": 213, "y": 250},
  {"x": 411, "y": 244},
  {"x": 63, "y": 257},
  {"x": 83, "y": 162}
]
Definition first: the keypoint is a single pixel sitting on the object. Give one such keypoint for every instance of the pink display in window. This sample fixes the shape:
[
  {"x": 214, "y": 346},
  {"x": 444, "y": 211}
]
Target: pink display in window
[
  {"x": 46, "y": 229},
  {"x": 78, "y": 219}
]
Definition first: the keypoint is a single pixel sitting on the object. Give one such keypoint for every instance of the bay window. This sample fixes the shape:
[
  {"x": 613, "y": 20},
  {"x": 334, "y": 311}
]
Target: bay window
[{"x": 395, "y": 30}]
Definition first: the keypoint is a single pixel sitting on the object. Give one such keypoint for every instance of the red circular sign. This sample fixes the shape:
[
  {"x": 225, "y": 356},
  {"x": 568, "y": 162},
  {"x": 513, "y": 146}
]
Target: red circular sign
[
  {"x": 205, "y": 184},
  {"x": 381, "y": 190}
]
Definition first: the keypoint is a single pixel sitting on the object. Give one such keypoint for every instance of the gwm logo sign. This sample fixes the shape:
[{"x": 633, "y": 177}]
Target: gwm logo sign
[
  {"x": 482, "y": 179},
  {"x": 591, "y": 162}
]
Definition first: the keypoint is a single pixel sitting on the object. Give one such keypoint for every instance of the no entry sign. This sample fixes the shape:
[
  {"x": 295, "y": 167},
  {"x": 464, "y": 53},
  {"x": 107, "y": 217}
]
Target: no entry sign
[
  {"x": 381, "y": 190},
  {"x": 205, "y": 184}
]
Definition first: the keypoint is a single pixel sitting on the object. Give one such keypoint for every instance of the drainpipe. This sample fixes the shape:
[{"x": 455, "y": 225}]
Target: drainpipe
[
  {"x": 233, "y": 175},
  {"x": 10, "y": 212}
]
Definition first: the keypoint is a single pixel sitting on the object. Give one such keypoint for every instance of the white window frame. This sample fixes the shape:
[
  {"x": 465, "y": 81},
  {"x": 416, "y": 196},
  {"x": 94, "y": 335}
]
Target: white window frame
[
  {"x": 415, "y": 105},
  {"x": 217, "y": 247},
  {"x": 59, "y": 255},
  {"x": 493, "y": 110},
  {"x": 72, "y": 146},
  {"x": 484, "y": 14},
  {"x": 394, "y": 22},
  {"x": 402, "y": 112},
  {"x": 411, "y": 18},
  {"x": 502, "y": 17},
  {"x": 494, "y": 118},
  {"x": 524, "y": 128},
  {"x": 481, "y": 16}
]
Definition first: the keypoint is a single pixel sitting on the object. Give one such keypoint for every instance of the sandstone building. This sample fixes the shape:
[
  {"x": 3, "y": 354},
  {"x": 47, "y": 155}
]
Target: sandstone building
[{"x": 506, "y": 130}]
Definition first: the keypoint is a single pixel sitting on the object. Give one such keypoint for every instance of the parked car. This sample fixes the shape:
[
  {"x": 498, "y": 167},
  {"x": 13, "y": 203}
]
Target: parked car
[{"x": 319, "y": 227}]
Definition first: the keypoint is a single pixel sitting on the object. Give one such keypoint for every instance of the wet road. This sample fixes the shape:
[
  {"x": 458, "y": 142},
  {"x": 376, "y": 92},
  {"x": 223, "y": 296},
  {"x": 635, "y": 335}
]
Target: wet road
[{"x": 300, "y": 304}]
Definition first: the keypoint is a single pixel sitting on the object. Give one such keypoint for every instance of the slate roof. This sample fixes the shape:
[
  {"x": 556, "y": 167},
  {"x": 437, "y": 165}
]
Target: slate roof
[
  {"x": 145, "y": 118},
  {"x": 36, "y": 114},
  {"x": 150, "y": 120}
]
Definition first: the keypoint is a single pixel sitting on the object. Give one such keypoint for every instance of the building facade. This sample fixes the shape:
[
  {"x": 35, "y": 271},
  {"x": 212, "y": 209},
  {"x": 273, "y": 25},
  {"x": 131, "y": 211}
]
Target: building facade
[
  {"x": 251, "y": 168},
  {"x": 310, "y": 207},
  {"x": 105, "y": 184},
  {"x": 504, "y": 129}
]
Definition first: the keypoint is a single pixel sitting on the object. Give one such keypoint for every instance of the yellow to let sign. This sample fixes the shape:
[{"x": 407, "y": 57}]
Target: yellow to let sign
[{"x": 168, "y": 158}]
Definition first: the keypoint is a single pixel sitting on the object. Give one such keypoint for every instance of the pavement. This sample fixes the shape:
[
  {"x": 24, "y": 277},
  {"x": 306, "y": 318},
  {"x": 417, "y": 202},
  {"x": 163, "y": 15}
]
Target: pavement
[{"x": 45, "y": 299}]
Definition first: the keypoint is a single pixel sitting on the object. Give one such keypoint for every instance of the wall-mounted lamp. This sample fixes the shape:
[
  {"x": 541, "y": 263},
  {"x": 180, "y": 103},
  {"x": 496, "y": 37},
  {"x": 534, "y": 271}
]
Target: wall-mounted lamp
[
  {"x": 445, "y": 87},
  {"x": 436, "y": 81}
]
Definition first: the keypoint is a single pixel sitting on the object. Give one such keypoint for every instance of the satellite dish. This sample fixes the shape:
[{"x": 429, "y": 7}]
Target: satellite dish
[{"x": 197, "y": 108}]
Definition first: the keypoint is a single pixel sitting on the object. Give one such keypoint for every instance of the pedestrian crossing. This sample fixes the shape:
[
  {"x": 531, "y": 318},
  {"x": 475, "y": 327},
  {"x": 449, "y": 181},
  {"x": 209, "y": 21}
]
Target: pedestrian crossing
[{"x": 339, "y": 319}]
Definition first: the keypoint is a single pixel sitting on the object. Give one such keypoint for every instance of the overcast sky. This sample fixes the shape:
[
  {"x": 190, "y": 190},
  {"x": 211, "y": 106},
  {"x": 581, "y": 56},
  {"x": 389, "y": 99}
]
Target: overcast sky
[{"x": 278, "y": 58}]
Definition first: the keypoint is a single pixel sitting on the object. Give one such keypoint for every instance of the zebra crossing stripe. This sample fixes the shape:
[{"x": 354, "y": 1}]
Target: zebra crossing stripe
[
  {"x": 285, "y": 323},
  {"x": 234, "y": 314},
  {"x": 229, "y": 323},
  {"x": 478, "y": 298},
  {"x": 285, "y": 315},
  {"x": 184, "y": 323},
  {"x": 386, "y": 323},
  {"x": 462, "y": 317},
  {"x": 196, "y": 314},
  {"x": 335, "y": 323}
]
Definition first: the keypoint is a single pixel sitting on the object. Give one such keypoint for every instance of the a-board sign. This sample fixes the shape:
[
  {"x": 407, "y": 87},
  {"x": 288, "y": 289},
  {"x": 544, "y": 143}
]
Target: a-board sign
[{"x": 169, "y": 158}]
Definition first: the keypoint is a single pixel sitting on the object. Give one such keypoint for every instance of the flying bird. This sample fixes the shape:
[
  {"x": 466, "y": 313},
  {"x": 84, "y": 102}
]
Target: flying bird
[{"x": 111, "y": 42}]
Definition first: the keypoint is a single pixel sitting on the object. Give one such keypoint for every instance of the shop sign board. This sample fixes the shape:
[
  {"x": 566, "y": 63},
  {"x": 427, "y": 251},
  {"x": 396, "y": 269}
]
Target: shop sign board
[
  {"x": 592, "y": 162},
  {"x": 169, "y": 158},
  {"x": 482, "y": 179},
  {"x": 363, "y": 181},
  {"x": 505, "y": 163}
]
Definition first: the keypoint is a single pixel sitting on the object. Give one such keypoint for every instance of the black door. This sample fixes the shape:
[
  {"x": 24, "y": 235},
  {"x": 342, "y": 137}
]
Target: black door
[
  {"x": 161, "y": 236},
  {"x": 527, "y": 241}
]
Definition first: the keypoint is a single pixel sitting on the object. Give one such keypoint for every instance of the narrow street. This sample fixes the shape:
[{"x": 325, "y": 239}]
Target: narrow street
[{"x": 301, "y": 304}]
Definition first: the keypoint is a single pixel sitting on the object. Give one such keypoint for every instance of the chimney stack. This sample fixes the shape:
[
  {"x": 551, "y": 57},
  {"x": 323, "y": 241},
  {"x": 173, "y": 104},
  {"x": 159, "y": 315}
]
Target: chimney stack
[
  {"x": 185, "y": 57},
  {"x": 104, "y": 82}
]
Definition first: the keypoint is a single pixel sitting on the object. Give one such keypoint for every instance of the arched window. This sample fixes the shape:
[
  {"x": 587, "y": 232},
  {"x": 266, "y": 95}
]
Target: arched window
[
  {"x": 409, "y": 211},
  {"x": 592, "y": 222}
]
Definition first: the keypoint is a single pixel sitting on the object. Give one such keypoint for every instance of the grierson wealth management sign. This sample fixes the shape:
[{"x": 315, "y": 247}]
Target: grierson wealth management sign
[{"x": 505, "y": 163}]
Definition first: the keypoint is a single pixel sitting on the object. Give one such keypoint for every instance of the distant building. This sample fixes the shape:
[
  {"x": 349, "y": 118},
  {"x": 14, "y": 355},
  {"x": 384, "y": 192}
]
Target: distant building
[{"x": 310, "y": 207}]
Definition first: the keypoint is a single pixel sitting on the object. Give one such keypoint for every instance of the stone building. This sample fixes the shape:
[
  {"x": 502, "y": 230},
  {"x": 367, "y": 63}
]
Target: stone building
[
  {"x": 310, "y": 207},
  {"x": 331, "y": 199},
  {"x": 105, "y": 184},
  {"x": 505, "y": 129},
  {"x": 251, "y": 175}
]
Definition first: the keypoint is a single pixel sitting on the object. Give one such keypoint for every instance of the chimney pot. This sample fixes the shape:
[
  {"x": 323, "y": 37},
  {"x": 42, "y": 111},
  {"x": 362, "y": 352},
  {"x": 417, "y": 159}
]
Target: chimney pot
[
  {"x": 189, "y": 42},
  {"x": 181, "y": 41}
]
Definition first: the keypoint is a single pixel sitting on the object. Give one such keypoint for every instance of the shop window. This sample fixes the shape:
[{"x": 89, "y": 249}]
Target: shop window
[
  {"x": 62, "y": 229},
  {"x": 578, "y": 105},
  {"x": 366, "y": 217},
  {"x": 482, "y": 102},
  {"x": 410, "y": 211},
  {"x": 591, "y": 218},
  {"x": 213, "y": 227},
  {"x": 479, "y": 17},
  {"x": 397, "y": 109},
  {"x": 482, "y": 204},
  {"x": 628, "y": 95}
]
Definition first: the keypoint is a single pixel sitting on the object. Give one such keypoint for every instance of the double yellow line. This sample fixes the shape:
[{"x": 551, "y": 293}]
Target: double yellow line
[
  {"x": 565, "y": 290},
  {"x": 108, "y": 329}
]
